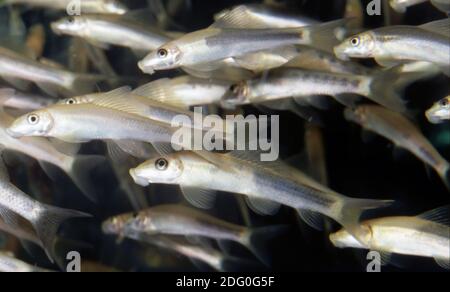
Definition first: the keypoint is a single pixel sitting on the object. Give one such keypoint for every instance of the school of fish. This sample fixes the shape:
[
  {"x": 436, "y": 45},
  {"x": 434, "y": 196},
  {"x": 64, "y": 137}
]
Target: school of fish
[{"x": 77, "y": 113}]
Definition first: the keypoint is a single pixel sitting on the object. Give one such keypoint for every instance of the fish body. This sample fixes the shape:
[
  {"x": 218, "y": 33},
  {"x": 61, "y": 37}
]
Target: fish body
[
  {"x": 402, "y": 132},
  {"x": 45, "y": 219},
  {"x": 415, "y": 236},
  {"x": 112, "y": 31},
  {"x": 394, "y": 44},
  {"x": 229, "y": 173},
  {"x": 16, "y": 66},
  {"x": 86, "y": 6},
  {"x": 10, "y": 264}
]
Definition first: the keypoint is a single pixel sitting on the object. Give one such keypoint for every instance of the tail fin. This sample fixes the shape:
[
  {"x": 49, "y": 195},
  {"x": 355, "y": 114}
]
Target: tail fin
[
  {"x": 80, "y": 174},
  {"x": 445, "y": 176},
  {"x": 48, "y": 222},
  {"x": 325, "y": 36},
  {"x": 387, "y": 87},
  {"x": 352, "y": 210},
  {"x": 256, "y": 240}
]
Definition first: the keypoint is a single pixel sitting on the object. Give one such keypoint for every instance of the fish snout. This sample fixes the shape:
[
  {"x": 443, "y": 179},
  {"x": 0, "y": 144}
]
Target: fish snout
[{"x": 138, "y": 179}]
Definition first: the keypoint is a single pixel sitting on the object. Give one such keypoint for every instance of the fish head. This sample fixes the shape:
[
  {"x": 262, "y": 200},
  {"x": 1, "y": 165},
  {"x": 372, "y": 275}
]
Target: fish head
[
  {"x": 114, "y": 7},
  {"x": 165, "y": 58},
  {"x": 69, "y": 25},
  {"x": 439, "y": 111},
  {"x": 38, "y": 123},
  {"x": 343, "y": 239},
  {"x": 116, "y": 225},
  {"x": 357, "y": 115},
  {"x": 359, "y": 46},
  {"x": 159, "y": 170},
  {"x": 236, "y": 95}
]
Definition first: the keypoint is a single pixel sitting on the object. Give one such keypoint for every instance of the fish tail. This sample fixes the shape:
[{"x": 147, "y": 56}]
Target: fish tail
[
  {"x": 80, "y": 172},
  {"x": 351, "y": 211},
  {"x": 325, "y": 36},
  {"x": 256, "y": 240},
  {"x": 387, "y": 86},
  {"x": 48, "y": 222},
  {"x": 444, "y": 173}
]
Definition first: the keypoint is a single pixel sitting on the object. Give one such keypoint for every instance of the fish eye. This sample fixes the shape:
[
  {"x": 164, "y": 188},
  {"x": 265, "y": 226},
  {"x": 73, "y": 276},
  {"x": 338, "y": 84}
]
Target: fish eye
[
  {"x": 163, "y": 53},
  {"x": 444, "y": 102},
  {"x": 355, "y": 41},
  {"x": 161, "y": 164},
  {"x": 33, "y": 119},
  {"x": 71, "y": 20},
  {"x": 71, "y": 101}
]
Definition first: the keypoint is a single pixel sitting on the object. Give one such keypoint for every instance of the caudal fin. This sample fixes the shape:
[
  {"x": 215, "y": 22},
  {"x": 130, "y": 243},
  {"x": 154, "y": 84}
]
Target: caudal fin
[
  {"x": 352, "y": 210},
  {"x": 257, "y": 240},
  {"x": 445, "y": 176},
  {"x": 387, "y": 86},
  {"x": 80, "y": 173},
  {"x": 47, "y": 225},
  {"x": 325, "y": 36}
]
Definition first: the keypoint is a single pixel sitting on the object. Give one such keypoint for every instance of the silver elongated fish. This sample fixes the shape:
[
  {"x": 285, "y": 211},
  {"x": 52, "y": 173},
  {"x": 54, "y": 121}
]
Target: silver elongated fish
[
  {"x": 75, "y": 166},
  {"x": 87, "y": 6},
  {"x": 14, "y": 66},
  {"x": 229, "y": 37},
  {"x": 402, "y": 132},
  {"x": 111, "y": 30},
  {"x": 80, "y": 123},
  {"x": 204, "y": 254},
  {"x": 24, "y": 101},
  {"x": 10, "y": 264},
  {"x": 45, "y": 219},
  {"x": 426, "y": 235},
  {"x": 439, "y": 112},
  {"x": 266, "y": 186},
  {"x": 383, "y": 87},
  {"x": 180, "y": 220},
  {"x": 395, "y": 44}
]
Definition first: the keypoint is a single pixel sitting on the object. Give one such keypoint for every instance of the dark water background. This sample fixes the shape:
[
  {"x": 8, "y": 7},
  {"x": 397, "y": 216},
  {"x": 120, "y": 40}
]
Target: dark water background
[{"x": 358, "y": 168}]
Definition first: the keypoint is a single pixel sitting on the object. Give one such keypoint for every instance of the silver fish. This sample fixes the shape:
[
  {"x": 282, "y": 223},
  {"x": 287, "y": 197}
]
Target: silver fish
[
  {"x": 24, "y": 101},
  {"x": 402, "y": 132},
  {"x": 266, "y": 186},
  {"x": 179, "y": 220},
  {"x": 206, "y": 49},
  {"x": 14, "y": 66},
  {"x": 22, "y": 230},
  {"x": 109, "y": 30},
  {"x": 45, "y": 219},
  {"x": 395, "y": 44},
  {"x": 427, "y": 235},
  {"x": 440, "y": 111},
  {"x": 80, "y": 123},
  {"x": 10, "y": 264},
  {"x": 87, "y": 6},
  {"x": 382, "y": 87}
]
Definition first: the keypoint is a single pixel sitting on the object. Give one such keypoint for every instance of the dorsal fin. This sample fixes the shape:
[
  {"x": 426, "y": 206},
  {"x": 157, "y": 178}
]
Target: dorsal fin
[
  {"x": 439, "y": 215},
  {"x": 239, "y": 18},
  {"x": 441, "y": 27}
]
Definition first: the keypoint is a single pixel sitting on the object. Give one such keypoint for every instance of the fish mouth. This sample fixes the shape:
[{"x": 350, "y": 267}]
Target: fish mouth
[
  {"x": 146, "y": 69},
  {"x": 433, "y": 119},
  {"x": 13, "y": 134},
  {"x": 137, "y": 179},
  {"x": 340, "y": 53}
]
